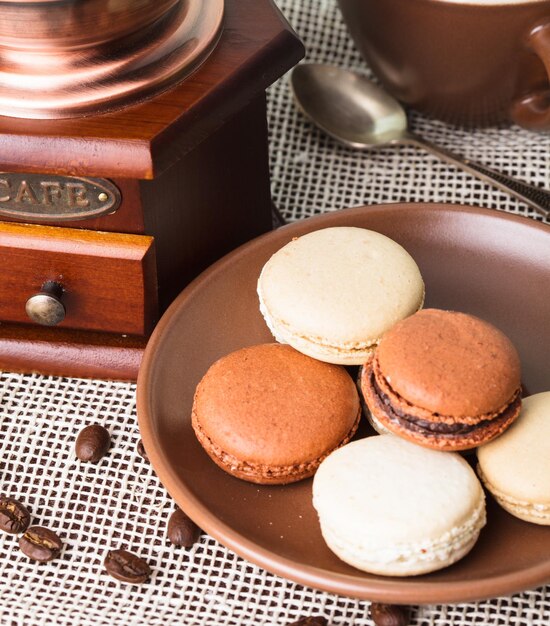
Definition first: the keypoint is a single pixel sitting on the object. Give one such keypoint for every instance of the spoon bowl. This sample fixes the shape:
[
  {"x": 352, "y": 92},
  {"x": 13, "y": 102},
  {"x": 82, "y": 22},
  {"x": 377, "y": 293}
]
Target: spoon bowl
[
  {"x": 359, "y": 114},
  {"x": 348, "y": 107}
]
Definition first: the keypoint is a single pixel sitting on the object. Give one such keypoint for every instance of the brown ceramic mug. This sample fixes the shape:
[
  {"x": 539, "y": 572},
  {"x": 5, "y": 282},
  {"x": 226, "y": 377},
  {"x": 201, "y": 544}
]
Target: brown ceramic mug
[{"x": 472, "y": 62}]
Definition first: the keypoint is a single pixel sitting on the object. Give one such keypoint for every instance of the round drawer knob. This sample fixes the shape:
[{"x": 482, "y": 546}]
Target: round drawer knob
[{"x": 45, "y": 307}]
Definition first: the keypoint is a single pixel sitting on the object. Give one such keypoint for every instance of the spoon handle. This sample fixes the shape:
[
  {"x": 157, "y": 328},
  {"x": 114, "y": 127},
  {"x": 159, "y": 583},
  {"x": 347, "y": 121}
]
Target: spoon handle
[{"x": 535, "y": 197}]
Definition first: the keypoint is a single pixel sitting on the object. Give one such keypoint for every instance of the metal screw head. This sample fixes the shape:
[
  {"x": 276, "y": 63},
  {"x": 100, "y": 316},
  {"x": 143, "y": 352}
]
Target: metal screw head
[{"x": 102, "y": 197}]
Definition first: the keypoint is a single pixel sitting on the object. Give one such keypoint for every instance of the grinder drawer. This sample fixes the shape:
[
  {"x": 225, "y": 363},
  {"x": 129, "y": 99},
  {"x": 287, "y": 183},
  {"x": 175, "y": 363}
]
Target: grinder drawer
[{"x": 96, "y": 280}]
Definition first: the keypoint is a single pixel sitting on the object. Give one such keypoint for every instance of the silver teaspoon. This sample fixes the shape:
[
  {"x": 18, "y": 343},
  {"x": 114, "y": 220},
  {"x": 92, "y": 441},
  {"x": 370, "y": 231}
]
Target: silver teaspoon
[{"x": 359, "y": 114}]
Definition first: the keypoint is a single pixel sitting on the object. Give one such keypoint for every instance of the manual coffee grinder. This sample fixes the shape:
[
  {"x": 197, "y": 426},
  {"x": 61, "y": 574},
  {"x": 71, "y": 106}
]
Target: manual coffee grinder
[{"x": 133, "y": 139}]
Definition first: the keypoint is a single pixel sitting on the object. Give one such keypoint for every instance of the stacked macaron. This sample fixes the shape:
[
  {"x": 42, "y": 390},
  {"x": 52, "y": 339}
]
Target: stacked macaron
[
  {"x": 391, "y": 507},
  {"x": 269, "y": 414},
  {"x": 515, "y": 468},
  {"x": 443, "y": 379},
  {"x": 440, "y": 381},
  {"x": 333, "y": 293}
]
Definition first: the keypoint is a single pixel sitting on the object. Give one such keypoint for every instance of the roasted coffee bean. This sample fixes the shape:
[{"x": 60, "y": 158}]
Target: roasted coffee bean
[
  {"x": 182, "y": 530},
  {"x": 314, "y": 620},
  {"x": 126, "y": 566},
  {"x": 141, "y": 450},
  {"x": 390, "y": 614},
  {"x": 14, "y": 516},
  {"x": 92, "y": 443},
  {"x": 40, "y": 544}
]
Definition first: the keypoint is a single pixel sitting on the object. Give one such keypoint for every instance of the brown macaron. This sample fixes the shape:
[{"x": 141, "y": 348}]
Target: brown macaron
[
  {"x": 443, "y": 379},
  {"x": 269, "y": 414}
]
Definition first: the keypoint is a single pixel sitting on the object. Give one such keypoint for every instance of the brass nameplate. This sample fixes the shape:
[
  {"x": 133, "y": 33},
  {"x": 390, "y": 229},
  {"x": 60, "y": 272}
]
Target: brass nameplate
[{"x": 45, "y": 197}]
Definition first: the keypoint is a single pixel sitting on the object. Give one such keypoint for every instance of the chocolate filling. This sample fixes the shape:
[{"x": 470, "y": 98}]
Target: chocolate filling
[{"x": 416, "y": 424}]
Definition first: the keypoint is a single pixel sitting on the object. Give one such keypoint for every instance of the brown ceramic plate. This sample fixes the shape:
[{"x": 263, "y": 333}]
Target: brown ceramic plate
[{"x": 491, "y": 264}]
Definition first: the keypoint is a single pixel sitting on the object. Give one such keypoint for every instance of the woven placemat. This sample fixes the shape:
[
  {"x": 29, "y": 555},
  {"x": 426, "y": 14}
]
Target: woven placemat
[{"x": 120, "y": 503}]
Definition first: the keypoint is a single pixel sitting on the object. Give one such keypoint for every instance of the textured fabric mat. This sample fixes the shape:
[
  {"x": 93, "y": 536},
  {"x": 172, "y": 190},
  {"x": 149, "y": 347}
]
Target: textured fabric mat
[{"x": 120, "y": 503}]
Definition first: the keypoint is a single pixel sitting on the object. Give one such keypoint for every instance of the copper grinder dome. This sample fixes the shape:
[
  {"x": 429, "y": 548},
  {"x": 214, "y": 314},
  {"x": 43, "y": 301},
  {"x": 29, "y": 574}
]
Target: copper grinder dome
[{"x": 66, "y": 58}]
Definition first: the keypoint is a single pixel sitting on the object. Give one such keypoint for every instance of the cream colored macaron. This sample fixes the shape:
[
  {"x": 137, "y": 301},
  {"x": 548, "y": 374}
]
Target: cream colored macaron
[
  {"x": 515, "y": 467},
  {"x": 390, "y": 507},
  {"x": 334, "y": 292}
]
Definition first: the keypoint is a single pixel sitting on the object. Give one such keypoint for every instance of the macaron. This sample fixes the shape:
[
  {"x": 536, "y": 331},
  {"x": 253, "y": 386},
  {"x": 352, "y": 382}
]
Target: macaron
[
  {"x": 390, "y": 507},
  {"x": 443, "y": 379},
  {"x": 334, "y": 292},
  {"x": 515, "y": 468},
  {"x": 269, "y": 414}
]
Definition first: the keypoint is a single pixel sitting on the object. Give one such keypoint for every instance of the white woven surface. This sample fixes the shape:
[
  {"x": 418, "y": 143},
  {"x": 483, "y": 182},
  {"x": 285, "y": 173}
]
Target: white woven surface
[{"x": 120, "y": 502}]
